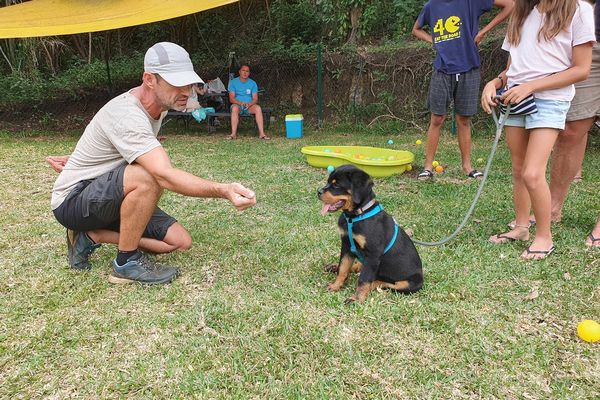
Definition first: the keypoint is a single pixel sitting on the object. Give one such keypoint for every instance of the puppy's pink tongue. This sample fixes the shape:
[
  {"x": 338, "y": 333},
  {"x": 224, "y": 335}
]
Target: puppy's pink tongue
[{"x": 325, "y": 209}]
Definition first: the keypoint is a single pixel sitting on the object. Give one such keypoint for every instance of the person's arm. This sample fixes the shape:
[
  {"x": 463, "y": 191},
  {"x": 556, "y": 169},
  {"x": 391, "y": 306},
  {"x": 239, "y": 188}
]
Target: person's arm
[
  {"x": 579, "y": 71},
  {"x": 254, "y": 99},
  {"x": 157, "y": 163},
  {"x": 233, "y": 100},
  {"x": 57, "y": 162},
  {"x": 420, "y": 33},
  {"x": 507, "y": 7},
  {"x": 489, "y": 91}
]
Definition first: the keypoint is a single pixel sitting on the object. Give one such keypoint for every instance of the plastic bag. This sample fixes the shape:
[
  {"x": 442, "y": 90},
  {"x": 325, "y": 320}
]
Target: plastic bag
[
  {"x": 215, "y": 86},
  {"x": 199, "y": 114}
]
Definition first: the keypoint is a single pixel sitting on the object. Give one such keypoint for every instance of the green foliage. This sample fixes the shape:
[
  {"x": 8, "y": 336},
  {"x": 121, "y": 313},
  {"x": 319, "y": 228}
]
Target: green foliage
[
  {"x": 296, "y": 52},
  {"x": 297, "y": 22},
  {"x": 406, "y": 12},
  {"x": 69, "y": 84}
]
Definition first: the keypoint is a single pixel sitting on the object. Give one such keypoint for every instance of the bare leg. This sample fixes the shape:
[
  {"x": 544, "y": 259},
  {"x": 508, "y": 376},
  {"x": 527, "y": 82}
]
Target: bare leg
[
  {"x": 258, "y": 116},
  {"x": 464, "y": 141},
  {"x": 177, "y": 238},
  {"x": 517, "y": 139},
  {"x": 235, "y": 120},
  {"x": 539, "y": 147},
  {"x": 566, "y": 161},
  {"x": 433, "y": 139}
]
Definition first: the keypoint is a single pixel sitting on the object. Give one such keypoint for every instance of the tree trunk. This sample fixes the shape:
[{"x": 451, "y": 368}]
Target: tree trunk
[{"x": 355, "y": 15}]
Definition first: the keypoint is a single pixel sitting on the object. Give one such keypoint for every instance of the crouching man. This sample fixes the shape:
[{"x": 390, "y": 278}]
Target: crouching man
[{"x": 109, "y": 188}]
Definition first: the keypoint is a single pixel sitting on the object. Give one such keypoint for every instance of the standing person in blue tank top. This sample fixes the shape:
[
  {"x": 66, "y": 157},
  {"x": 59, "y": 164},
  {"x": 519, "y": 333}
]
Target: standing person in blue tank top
[
  {"x": 243, "y": 96},
  {"x": 455, "y": 78}
]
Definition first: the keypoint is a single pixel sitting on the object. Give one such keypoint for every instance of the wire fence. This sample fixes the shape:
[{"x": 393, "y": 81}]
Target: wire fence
[{"x": 353, "y": 87}]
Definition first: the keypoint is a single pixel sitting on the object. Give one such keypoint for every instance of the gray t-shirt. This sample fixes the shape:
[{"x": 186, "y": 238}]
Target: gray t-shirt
[{"x": 119, "y": 133}]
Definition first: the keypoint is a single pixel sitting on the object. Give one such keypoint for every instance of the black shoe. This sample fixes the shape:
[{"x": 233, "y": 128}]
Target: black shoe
[
  {"x": 140, "y": 268},
  {"x": 79, "y": 248}
]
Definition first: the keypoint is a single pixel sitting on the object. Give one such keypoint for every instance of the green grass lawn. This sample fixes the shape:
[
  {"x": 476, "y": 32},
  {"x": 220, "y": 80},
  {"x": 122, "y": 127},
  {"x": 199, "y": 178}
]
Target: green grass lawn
[{"x": 250, "y": 316}]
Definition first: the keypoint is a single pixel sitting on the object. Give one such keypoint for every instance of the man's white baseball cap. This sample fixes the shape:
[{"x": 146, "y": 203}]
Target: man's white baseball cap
[{"x": 172, "y": 63}]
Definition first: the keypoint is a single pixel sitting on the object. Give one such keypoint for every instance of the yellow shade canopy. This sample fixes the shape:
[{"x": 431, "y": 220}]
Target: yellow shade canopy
[{"x": 65, "y": 17}]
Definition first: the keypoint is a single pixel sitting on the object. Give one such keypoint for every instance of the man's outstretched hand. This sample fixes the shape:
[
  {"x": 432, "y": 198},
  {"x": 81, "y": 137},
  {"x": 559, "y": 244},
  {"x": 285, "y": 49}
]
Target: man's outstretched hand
[
  {"x": 57, "y": 162},
  {"x": 240, "y": 196}
]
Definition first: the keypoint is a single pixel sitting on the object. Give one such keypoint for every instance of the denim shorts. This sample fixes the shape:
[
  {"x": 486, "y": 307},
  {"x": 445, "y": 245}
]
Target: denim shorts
[{"x": 550, "y": 114}]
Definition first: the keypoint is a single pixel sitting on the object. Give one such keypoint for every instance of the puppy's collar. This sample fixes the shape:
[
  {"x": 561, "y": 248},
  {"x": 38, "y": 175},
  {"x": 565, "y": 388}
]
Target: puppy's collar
[{"x": 362, "y": 210}]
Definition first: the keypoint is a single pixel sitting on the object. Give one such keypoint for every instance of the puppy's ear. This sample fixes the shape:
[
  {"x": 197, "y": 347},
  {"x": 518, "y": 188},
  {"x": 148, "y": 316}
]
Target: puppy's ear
[{"x": 361, "y": 187}]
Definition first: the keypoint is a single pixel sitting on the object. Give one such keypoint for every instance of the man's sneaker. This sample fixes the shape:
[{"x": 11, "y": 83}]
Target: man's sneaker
[
  {"x": 79, "y": 248},
  {"x": 139, "y": 268}
]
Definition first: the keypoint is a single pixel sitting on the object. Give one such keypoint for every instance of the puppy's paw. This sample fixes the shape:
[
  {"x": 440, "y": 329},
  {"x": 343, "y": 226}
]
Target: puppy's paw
[
  {"x": 333, "y": 268},
  {"x": 333, "y": 287}
]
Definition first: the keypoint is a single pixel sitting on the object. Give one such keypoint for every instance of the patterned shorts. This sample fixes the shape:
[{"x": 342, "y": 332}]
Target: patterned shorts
[{"x": 462, "y": 89}]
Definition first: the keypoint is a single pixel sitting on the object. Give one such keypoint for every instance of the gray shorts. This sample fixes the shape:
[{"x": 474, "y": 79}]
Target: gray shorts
[
  {"x": 96, "y": 204},
  {"x": 462, "y": 89},
  {"x": 586, "y": 103}
]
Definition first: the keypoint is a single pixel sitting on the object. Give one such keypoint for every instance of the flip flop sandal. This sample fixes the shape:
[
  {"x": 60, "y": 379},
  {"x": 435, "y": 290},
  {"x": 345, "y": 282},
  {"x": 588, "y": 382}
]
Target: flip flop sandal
[
  {"x": 425, "y": 175},
  {"x": 543, "y": 253},
  {"x": 474, "y": 174},
  {"x": 594, "y": 240},
  {"x": 504, "y": 238}
]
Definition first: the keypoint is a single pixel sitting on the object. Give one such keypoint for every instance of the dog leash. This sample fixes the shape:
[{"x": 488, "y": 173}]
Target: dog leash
[{"x": 499, "y": 121}]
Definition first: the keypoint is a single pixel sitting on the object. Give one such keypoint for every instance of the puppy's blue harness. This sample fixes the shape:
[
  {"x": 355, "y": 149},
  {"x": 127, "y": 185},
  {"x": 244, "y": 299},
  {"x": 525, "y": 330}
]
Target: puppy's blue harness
[{"x": 374, "y": 211}]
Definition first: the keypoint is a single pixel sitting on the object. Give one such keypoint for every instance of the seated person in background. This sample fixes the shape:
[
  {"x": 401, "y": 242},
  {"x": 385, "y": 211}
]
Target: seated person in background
[
  {"x": 243, "y": 96},
  {"x": 193, "y": 102}
]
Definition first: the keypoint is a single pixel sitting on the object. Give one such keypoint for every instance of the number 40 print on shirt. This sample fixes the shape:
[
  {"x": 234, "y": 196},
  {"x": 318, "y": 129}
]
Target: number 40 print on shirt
[{"x": 447, "y": 30}]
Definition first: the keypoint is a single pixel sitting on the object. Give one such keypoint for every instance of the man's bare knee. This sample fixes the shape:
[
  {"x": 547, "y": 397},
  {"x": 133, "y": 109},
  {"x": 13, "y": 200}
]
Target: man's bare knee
[
  {"x": 437, "y": 120},
  {"x": 178, "y": 237}
]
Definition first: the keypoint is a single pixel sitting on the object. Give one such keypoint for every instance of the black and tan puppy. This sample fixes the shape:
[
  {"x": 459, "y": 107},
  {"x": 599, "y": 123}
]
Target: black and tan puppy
[{"x": 387, "y": 258}]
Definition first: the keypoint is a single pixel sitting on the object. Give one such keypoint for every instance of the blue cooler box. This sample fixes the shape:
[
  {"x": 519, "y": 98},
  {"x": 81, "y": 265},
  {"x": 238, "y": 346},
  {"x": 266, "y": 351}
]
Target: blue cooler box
[{"x": 293, "y": 126}]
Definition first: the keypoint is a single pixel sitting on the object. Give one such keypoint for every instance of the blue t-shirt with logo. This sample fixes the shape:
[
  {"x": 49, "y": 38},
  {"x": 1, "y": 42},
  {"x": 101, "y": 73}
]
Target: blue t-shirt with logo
[
  {"x": 243, "y": 90},
  {"x": 454, "y": 25}
]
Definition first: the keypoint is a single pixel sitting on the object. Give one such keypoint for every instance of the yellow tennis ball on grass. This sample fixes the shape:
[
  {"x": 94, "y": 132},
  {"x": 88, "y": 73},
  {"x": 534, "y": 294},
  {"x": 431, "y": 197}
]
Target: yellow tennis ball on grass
[
  {"x": 409, "y": 167},
  {"x": 589, "y": 330},
  {"x": 435, "y": 164},
  {"x": 418, "y": 141}
]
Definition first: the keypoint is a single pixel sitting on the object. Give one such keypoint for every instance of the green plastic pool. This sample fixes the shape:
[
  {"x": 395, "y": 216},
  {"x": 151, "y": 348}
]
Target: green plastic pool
[{"x": 375, "y": 161}]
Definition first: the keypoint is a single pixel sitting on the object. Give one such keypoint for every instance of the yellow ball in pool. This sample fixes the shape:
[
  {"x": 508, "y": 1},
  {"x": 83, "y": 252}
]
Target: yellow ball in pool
[
  {"x": 589, "y": 330},
  {"x": 435, "y": 164},
  {"x": 418, "y": 141}
]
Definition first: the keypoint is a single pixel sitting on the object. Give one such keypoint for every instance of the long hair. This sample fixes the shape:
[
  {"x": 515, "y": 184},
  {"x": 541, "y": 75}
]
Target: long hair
[{"x": 557, "y": 17}]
